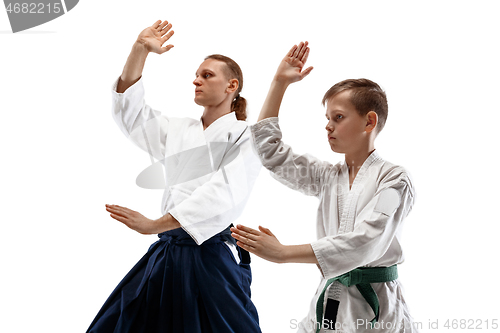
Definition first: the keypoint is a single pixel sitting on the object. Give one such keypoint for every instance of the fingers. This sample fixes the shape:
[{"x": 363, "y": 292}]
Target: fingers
[
  {"x": 297, "y": 50},
  {"x": 306, "y": 72},
  {"x": 251, "y": 235},
  {"x": 159, "y": 25},
  {"x": 302, "y": 50},
  {"x": 244, "y": 240},
  {"x": 305, "y": 55},
  {"x": 119, "y": 218},
  {"x": 266, "y": 231},
  {"x": 167, "y": 36},
  {"x": 166, "y": 33},
  {"x": 156, "y": 24},
  {"x": 166, "y": 48},
  {"x": 246, "y": 247},
  {"x": 292, "y": 50},
  {"x": 119, "y": 211},
  {"x": 247, "y": 229},
  {"x": 164, "y": 29}
]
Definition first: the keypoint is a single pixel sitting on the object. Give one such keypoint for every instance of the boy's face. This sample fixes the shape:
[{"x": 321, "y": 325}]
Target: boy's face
[
  {"x": 345, "y": 127},
  {"x": 211, "y": 83}
]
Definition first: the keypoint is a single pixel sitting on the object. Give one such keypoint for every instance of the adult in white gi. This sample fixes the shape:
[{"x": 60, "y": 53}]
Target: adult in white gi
[
  {"x": 363, "y": 202},
  {"x": 195, "y": 278}
]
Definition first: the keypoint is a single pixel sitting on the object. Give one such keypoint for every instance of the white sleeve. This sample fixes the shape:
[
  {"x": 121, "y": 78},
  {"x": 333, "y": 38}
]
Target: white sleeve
[
  {"x": 303, "y": 173},
  {"x": 213, "y": 206},
  {"x": 371, "y": 237},
  {"x": 145, "y": 127}
]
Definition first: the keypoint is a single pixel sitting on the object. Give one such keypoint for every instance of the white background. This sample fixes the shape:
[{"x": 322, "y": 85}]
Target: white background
[{"x": 63, "y": 157}]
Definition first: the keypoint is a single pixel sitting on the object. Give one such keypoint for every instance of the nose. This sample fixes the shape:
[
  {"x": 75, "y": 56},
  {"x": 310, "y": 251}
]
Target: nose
[
  {"x": 197, "y": 82},
  {"x": 329, "y": 126}
]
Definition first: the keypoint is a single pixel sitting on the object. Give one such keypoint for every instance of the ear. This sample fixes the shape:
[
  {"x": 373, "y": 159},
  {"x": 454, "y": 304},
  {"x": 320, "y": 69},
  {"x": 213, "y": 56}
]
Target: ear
[
  {"x": 371, "y": 121},
  {"x": 232, "y": 86}
]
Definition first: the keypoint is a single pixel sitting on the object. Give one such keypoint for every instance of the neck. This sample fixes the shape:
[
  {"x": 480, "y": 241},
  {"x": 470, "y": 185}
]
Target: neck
[
  {"x": 212, "y": 113},
  {"x": 356, "y": 159}
]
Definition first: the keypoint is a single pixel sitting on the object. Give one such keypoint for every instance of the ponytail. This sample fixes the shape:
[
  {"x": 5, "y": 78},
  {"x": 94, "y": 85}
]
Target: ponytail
[{"x": 239, "y": 106}]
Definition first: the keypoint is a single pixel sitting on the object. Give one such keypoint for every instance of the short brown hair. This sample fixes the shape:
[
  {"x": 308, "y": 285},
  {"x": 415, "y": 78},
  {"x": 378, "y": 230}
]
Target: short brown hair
[
  {"x": 365, "y": 95},
  {"x": 233, "y": 71}
]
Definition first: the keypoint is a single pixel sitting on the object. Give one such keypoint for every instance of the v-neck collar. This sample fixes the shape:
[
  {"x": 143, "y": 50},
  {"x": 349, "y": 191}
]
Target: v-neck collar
[
  {"x": 348, "y": 197},
  {"x": 230, "y": 117},
  {"x": 374, "y": 156}
]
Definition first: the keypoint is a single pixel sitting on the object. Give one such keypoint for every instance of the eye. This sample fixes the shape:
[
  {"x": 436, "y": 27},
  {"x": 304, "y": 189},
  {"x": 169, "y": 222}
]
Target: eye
[
  {"x": 339, "y": 116},
  {"x": 207, "y": 75}
]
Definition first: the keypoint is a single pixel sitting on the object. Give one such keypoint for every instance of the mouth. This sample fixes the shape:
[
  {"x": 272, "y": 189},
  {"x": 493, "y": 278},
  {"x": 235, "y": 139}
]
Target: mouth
[
  {"x": 197, "y": 91},
  {"x": 331, "y": 138}
]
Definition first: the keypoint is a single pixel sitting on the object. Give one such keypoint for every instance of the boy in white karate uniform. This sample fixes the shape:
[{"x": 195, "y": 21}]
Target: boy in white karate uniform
[{"x": 363, "y": 202}]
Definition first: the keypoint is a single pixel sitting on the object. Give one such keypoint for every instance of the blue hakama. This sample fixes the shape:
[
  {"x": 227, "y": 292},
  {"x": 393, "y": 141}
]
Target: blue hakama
[{"x": 181, "y": 287}]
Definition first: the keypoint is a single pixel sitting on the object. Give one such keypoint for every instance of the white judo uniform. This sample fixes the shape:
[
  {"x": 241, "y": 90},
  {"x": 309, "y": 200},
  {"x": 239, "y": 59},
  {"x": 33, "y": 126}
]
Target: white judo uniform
[
  {"x": 209, "y": 173},
  {"x": 357, "y": 227}
]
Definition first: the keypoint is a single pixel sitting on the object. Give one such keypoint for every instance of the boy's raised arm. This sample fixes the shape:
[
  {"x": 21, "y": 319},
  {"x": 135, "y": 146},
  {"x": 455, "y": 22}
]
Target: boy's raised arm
[
  {"x": 289, "y": 71},
  {"x": 150, "y": 39}
]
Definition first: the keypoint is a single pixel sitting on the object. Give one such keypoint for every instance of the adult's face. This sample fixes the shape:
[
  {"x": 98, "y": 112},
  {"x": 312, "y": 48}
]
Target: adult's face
[{"x": 212, "y": 85}]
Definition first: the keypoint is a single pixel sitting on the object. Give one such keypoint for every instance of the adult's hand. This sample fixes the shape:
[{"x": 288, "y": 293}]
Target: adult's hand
[
  {"x": 153, "y": 37},
  {"x": 134, "y": 220}
]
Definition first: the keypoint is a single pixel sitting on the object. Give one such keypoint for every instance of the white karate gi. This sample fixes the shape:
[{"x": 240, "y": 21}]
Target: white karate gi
[
  {"x": 209, "y": 173},
  {"x": 357, "y": 227}
]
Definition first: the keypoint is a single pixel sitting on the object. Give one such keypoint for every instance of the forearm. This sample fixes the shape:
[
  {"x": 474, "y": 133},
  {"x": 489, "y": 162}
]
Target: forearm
[
  {"x": 133, "y": 67},
  {"x": 273, "y": 100},
  {"x": 299, "y": 254}
]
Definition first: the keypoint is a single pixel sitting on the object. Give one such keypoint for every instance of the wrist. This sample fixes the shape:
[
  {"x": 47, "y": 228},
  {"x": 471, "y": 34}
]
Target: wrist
[
  {"x": 139, "y": 52},
  {"x": 278, "y": 88},
  {"x": 167, "y": 222},
  {"x": 280, "y": 82},
  {"x": 140, "y": 47},
  {"x": 161, "y": 224},
  {"x": 299, "y": 254},
  {"x": 286, "y": 254}
]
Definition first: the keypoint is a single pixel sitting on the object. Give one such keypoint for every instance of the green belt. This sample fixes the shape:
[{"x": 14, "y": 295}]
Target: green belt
[{"x": 361, "y": 278}]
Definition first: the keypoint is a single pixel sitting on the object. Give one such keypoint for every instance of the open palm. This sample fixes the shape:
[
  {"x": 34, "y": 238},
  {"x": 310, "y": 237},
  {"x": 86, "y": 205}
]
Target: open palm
[
  {"x": 291, "y": 67},
  {"x": 155, "y": 36}
]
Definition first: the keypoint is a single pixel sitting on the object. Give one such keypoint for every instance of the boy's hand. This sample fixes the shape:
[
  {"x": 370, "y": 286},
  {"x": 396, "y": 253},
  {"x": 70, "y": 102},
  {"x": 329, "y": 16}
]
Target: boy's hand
[
  {"x": 153, "y": 37},
  {"x": 261, "y": 243},
  {"x": 290, "y": 68}
]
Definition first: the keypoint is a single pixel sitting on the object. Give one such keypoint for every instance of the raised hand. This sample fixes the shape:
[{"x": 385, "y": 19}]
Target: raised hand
[
  {"x": 290, "y": 70},
  {"x": 291, "y": 67},
  {"x": 153, "y": 37}
]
